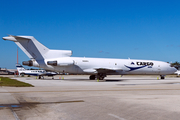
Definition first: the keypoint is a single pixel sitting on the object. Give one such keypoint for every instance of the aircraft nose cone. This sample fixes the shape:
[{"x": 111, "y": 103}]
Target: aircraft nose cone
[{"x": 173, "y": 69}]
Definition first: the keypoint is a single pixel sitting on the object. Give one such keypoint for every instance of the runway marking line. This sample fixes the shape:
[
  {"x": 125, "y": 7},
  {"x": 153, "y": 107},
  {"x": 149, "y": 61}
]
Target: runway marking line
[
  {"x": 116, "y": 116},
  {"x": 15, "y": 115}
]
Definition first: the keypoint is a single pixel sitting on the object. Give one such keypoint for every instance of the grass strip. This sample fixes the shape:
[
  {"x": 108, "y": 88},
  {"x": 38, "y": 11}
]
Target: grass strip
[{"x": 5, "y": 81}]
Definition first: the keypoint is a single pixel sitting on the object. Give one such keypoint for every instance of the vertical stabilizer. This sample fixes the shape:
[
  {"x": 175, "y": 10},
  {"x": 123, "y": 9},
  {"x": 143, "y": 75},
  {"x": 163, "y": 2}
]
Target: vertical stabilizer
[
  {"x": 30, "y": 46},
  {"x": 20, "y": 68},
  {"x": 35, "y": 50}
]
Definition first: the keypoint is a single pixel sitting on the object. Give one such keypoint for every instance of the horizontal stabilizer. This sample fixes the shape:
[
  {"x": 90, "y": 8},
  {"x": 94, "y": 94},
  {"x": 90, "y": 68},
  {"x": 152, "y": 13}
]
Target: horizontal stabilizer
[{"x": 22, "y": 37}]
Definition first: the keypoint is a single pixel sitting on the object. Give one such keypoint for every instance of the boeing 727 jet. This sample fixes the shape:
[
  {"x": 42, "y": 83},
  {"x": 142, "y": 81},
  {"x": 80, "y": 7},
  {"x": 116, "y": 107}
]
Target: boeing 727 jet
[{"x": 97, "y": 68}]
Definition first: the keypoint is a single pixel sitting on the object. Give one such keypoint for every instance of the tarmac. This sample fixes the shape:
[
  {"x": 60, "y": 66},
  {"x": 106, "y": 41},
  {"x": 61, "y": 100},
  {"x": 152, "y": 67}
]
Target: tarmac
[{"x": 75, "y": 97}]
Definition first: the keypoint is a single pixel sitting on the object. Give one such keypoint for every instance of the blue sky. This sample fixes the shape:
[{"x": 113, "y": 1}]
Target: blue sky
[{"x": 136, "y": 29}]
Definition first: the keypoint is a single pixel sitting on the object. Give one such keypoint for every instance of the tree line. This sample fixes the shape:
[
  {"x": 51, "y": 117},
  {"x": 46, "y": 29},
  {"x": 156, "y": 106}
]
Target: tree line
[{"x": 176, "y": 64}]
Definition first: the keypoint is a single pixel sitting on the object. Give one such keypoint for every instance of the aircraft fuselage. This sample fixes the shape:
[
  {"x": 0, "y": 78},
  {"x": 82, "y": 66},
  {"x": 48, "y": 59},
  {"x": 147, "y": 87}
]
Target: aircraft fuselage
[{"x": 81, "y": 65}]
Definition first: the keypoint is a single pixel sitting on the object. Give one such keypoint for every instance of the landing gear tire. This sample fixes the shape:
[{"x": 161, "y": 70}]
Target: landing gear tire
[
  {"x": 162, "y": 76},
  {"x": 39, "y": 77},
  {"x": 22, "y": 74},
  {"x": 92, "y": 77},
  {"x": 101, "y": 78}
]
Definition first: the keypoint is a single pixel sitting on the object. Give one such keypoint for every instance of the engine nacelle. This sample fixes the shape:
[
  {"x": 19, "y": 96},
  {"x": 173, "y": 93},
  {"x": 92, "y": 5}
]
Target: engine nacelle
[
  {"x": 30, "y": 63},
  {"x": 27, "y": 63},
  {"x": 53, "y": 63},
  {"x": 61, "y": 62}
]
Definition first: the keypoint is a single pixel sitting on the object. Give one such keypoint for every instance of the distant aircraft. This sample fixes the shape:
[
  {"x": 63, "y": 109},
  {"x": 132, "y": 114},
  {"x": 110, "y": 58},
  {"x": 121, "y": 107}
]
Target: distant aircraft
[
  {"x": 40, "y": 73},
  {"x": 4, "y": 71},
  {"x": 97, "y": 68},
  {"x": 177, "y": 72}
]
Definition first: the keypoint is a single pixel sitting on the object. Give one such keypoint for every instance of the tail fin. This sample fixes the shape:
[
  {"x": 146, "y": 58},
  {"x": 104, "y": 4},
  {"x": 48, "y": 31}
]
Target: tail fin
[{"x": 35, "y": 50}]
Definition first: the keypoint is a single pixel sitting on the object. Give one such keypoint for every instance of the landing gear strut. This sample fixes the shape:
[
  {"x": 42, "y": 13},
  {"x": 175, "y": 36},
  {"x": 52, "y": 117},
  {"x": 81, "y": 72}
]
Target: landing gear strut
[
  {"x": 41, "y": 77},
  {"x": 101, "y": 76}
]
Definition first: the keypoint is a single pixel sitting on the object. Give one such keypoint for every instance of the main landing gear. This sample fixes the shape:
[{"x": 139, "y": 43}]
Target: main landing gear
[
  {"x": 41, "y": 77},
  {"x": 162, "y": 76},
  {"x": 99, "y": 76},
  {"x": 92, "y": 77}
]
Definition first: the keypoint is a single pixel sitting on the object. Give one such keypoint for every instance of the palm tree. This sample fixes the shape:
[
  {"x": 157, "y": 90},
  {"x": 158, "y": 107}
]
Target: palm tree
[{"x": 176, "y": 65}]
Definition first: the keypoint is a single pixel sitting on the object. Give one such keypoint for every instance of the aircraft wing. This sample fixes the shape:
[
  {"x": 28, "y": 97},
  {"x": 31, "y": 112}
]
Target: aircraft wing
[
  {"x": 108, "y": 70},
  {"x": 102, "y": 70},
  {"x": 42, "y": 74},
  {"x": 50, "y": 73}
]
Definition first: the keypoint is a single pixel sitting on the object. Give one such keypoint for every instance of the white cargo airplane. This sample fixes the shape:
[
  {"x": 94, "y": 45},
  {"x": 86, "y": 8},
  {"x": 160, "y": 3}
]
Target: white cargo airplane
[
  {"x": 60, "y": 60},
  {"x": 40, "y": 73}
]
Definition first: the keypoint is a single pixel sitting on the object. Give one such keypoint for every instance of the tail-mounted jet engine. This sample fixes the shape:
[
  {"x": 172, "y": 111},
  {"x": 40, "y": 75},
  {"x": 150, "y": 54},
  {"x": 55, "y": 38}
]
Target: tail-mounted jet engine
[
  {"x": 61, "y": 62},
  {"x": 30, "y": 63}
]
